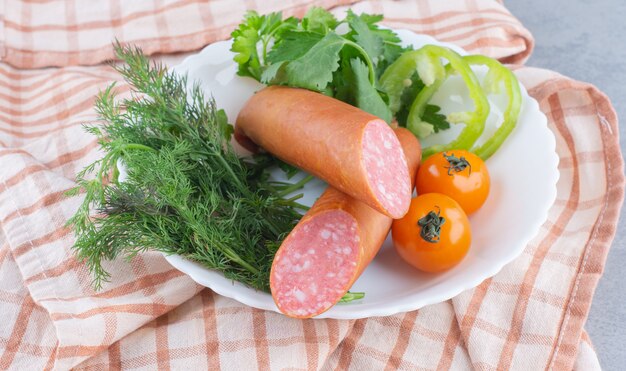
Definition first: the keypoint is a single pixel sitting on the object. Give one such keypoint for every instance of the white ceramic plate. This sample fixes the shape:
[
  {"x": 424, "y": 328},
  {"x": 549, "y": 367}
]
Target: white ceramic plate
[{"x": 523, "y": 173}]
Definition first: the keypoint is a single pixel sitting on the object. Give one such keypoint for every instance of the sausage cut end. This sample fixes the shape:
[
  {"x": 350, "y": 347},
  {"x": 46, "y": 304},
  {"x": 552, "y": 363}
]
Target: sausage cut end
[
  {"x": 386, "y": 168},
  {"x": 316, "y": 264}
]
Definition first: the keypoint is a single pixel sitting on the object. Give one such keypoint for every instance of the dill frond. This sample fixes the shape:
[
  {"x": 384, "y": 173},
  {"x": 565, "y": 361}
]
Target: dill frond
[{"x": 186, "y": 192}]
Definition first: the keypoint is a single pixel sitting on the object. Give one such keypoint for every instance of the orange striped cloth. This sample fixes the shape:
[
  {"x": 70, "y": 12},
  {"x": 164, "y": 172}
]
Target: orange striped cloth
[{"x": 529, "y": 316}]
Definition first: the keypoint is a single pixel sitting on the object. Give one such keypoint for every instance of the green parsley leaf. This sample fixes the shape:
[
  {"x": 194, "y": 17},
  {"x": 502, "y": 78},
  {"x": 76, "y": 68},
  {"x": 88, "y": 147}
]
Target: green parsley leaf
[
  {"x": 366, "y": 97},
  {"x": 294, "y": 45},
  {"x": 365, "y": 36},
  {"x": 244, "y": 45},
  {"x": 253, "y": 30},
  {"x": 386, "y": 34},
  {"x": 391, "y": 52},
  {"x": 343, "y": 78},
  {"x": 313, "y": 56},
  {"x": 408, "y": 96},
  {"x": 431, "y": 115},
  {"x": 269, "y": 76},
  {"x": 314, "y": 70},
  {"x": 319, "y": 20},
  {"x": 390, "y": 42},
  {"x": 436, "y": 119}
]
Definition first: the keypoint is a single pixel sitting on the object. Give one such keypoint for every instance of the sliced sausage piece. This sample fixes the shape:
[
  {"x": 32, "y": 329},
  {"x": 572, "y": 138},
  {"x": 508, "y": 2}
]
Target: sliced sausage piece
[
  {"x": 330, "y": 247},
  {"x": 350, "y": 149}
]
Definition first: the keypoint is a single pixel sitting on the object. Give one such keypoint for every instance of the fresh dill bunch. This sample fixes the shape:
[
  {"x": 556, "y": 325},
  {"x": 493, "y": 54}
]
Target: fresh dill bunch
[{"x": 186, "y": 191}]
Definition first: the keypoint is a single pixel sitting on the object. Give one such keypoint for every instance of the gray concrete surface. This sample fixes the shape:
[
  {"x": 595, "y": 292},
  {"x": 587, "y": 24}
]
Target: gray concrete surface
[{"x": 586, "y": 40}]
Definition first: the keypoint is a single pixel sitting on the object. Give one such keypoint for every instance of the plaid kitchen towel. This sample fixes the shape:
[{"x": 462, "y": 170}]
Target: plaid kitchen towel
[{"x": 530, "y": 315}]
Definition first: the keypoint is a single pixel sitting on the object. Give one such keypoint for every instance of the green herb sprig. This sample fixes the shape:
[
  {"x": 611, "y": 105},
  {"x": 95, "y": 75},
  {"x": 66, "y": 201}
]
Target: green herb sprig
[
  {"x": 315, "y": 53},
  {"x": 358, "y": 62},
  {"x": 187, "y": 192}
]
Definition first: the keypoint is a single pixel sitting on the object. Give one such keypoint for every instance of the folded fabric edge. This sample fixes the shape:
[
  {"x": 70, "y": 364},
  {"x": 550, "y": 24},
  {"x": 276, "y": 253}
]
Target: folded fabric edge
[
  {"x": 503, "y": 44},
  {"x": 31, "y": 59},
  {"x": 596, "y": 249}
]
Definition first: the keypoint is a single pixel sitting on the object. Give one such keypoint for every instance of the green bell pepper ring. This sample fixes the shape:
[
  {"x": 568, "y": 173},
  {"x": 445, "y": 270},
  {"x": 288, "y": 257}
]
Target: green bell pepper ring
[
  {"x": 427, "y": 62},
  {"x": 492, "y": 83},
  {"x": 474, "y": 120},
  {"x": 394, "y": 80},
  {"x": 414, "y": 122}
]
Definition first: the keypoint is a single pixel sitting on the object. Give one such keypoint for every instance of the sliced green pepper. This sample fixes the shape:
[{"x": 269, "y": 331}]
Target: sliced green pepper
[
  {"x": 396, "y": 78},
  {"x": 414, "y": 123},
  {"x": 497, "y": 75},
  {"x": 474, "y": 120},
  {"x": 427, "y": 62}
]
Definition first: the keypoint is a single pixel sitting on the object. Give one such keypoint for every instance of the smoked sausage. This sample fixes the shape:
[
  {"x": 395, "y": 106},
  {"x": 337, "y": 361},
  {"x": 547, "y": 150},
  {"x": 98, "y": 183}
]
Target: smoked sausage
[
  {"x": 331, "y": 246},
  {"x": 353, "y": 151}
]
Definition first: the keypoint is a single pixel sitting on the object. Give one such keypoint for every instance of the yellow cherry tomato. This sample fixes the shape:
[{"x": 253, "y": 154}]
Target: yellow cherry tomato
[
  {"x": 459, "y": 174},
  {"x": 434, "y": 235}
]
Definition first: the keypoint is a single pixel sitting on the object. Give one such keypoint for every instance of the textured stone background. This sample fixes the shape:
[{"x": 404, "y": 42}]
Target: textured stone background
[{"x": 586, "y": 40}]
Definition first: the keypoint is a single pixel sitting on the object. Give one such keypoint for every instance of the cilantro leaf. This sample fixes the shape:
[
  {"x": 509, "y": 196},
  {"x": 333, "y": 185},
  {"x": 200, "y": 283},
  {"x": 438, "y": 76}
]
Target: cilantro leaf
[
  {"x": 245, "y": 39},
  {"x": 386, "y": 34},
  {"x": 391, "y": 48},
  {"x": 408, "y": 96},
  {"x": 437, "y": 120},
  {"x": 253, "y": 30},
  {"x": 269, "y": 75},
  {"x": 343, "y": 78},
  {"x": 391, "y": 52},
  {"x": 311, "y": 55},
  {"x": 314, "y": 70},
  {"x": 294, "y": 45},
  {"x": 366, "y": 97},
  {"x": 319, "y": 20},
  {"x": 365, "y": 36},
  {"x": 431, "y": 115}
]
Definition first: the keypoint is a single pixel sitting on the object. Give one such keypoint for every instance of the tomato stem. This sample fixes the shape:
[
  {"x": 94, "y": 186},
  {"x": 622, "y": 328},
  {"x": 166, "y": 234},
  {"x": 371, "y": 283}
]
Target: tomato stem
[
  {"x": 457, "y": 164},
  {"x": 430, "y": 225}
]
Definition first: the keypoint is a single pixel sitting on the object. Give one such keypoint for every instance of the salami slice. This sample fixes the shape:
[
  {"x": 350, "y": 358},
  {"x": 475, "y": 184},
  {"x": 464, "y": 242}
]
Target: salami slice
[
  {"x": 331, "y": 246},
  {"x": 350, "y": 149}
]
